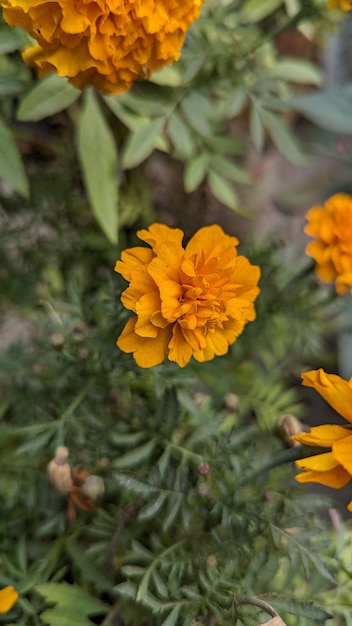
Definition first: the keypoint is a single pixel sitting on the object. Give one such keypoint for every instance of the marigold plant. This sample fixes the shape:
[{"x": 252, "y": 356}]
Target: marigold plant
[
  {"x": 191, "y": 301},
  {"x": 8, "y": 597},
  {"x": 332, "y": 468},
  {"x": 331, "y": 227},
  {"x": 107, "y": 44}
]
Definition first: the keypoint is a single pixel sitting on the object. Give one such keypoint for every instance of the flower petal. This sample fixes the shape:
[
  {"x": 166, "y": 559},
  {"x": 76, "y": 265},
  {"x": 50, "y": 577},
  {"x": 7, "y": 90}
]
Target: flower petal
[
  {"x": 336, "y": 391},
  {"x": 323, "y": 436},
  {"x": 8, "y": 597}
]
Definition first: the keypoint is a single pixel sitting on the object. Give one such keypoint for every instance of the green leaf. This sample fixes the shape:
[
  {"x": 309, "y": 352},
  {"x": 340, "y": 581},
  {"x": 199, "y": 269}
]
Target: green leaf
[
  {"x": 197, "y": 110},
  {"x": 11, "y": 167},
  {"x": 168, "y": 77},
  {"x": 141, "y": 143},
  {"x": 51, "y": 95},
  {"x": 152, "y": 508},
  {"x": 195, "y": 172},
  {"x": 11, "y": 39},
  {"x": 132, "y": 484},
  {"x": 223, "y": 190},
  {"x": 126, "y": 590},
  {"x": 72, "y": 607},
  {"x": 303, "y": 609},
  {"x": 136, "y": 457},
  {"x": 283, "y": 139},
  {"x": 297, "y": 71},
  {"x": 256, "y": 127},
  {"x": 10, "y": 86},
  {"x": 330, "y": 109},
  {"x": 98, "y": 157},
  {"x": 226, "y": 167},
  {"x": 181, "y": 136},
  {"x": 172, "y": 617},
  {"x": 256, "y": 10}
]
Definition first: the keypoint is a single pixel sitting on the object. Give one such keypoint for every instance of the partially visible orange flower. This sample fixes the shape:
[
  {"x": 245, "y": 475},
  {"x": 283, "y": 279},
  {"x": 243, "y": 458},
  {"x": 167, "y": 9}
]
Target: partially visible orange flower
[
  {"x": 331, "y": 227},
  {"x": 8, "y": 597},
  {"x": 345, "y": 5},
  {"x": 107, "y": 44},
  {"x": 191, "y": 301},
  {"x": 334, "y": 467}
]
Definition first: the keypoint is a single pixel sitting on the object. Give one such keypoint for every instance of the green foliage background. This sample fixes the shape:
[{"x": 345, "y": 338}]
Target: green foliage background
[{"x": 200, "y": 510}]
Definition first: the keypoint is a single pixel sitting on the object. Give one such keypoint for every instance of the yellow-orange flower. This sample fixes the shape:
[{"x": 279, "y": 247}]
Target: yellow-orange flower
[
  {"x": 8, "y": 597},
  {"x": 107, "y": 44},
  {"x": 191, "y": 301},
  {"x": 334, "y": 467},
  {"x": 331, "y": 227},
  {"x": 345, "y": 5}
]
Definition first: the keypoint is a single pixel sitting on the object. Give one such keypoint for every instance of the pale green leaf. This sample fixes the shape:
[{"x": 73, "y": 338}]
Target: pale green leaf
[
  {"x": 98, "y": 158},
  {"x": 181, "y": 136},
  {"x": 197, "y": 110},
  {"x": 140, "y": 144},
  {"x": 168, "y": 77},
  {"x": 172, "y": 617},
  {"x": 297, "y": 71},
  {"x": 256, "y": 128},
  {"x": 283, "y": 139},
  {"x": 256, "y": 10},
  {"x": 72, "y": 607},
  {"x": 11, "y": 166},
  {"x": 135, "y": 457},
  {"x": 11, "y": 39},
  {"x": 195, "y": 172},
  {"x": 226, "y": 167},
  {"x": 51, "y": 95},
  {"x": 330, "y": 109},
  {"x": 223, "y": 190}
]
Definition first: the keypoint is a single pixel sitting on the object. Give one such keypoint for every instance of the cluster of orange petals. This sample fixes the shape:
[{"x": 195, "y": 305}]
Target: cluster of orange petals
[
  {"x": 191, "y": 301},
  {"x": 345, "y": 5},
  {"x": 331, "y": 227},
  {"x": 334, "y": 467},
  {"x": 8, "y": 597},
  {"x": 107, "y": 44}
]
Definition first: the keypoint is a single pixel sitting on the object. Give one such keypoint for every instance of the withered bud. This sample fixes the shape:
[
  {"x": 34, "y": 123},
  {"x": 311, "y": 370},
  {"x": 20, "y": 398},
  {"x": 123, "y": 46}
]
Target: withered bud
[
  {"x": 93, "y": 487},
  {"x": 59, "y": 471},
  {"x": 178, "y": 435},
  {"x": 203, "y": 468},
  {"x": 231, "y": 402},
  {"x": 289, "y": 425},
  {"x": 83, "y": 353},
  {"x": 212, "y": 560},
  {"x": 57, "y": 341},
  {"x": 202, "y": 399},
  {"x": 78, "y": 333}
]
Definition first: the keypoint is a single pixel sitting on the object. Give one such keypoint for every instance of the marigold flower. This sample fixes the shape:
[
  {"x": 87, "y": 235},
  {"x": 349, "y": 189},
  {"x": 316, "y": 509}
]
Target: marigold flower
[
  {"x": 107, "y": 44},
  {"x": 331, "y": 227},
  {"x": 8, "y": 597},
  {"x": 191, "y": 301},
  {"x": 334, "y": 467},
  {"x": 345, "y": 5}
]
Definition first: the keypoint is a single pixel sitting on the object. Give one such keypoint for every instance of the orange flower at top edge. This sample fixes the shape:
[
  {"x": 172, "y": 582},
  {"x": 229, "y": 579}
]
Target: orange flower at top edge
[
  {"x": 191, "y": 301},
  {"x": 8, "y": 597},
  {"x": 334, "y": 467},
  {"x": 331, "y": 227},
  {"x": 107, "y": 44},
  {"x": 345, "y": 5}
]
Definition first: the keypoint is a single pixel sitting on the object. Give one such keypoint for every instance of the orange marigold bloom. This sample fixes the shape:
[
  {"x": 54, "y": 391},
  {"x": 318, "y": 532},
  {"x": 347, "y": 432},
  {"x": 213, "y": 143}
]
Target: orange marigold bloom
[
  {"x": 191, "y": 301},
  {"x": 334, "y": 467},
  {"x": 8, "y": 597},
  {"x": 331, "y": 227},
  {"x": 107, "y": 44},
  {"x": 345, "y": 5}
]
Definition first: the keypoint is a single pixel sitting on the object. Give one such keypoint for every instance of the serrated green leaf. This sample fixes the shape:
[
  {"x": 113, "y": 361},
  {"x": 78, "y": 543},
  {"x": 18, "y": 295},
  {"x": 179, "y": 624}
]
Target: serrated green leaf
[
  {"x": 195, "y": 172},
  {"x": 141, "y": 143},
  {"x": 304, "y": 609},
  {"x": 133, "y": 571},
  {"x": 236, "y": 103},
  {"x": 136, "y": 457},
  {"x": 11, "y": 167},
  {"x": 180, "y": 135},
  {"x": 98, "y": 158},
  {"x": 223, "y": 190},
  {"x": 72, "y": 607},
  {"x": 51, "y": 95},
  {"x": 160, "y": 586},
  {"x": 283, "y": 139}
]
